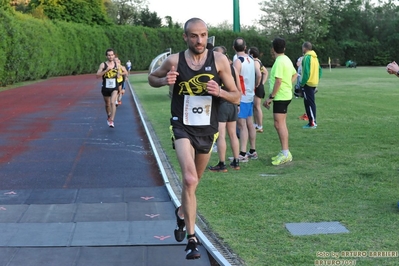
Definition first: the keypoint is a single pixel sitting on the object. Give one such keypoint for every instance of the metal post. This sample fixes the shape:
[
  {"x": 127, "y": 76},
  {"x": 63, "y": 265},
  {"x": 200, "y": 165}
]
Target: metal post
[{"x": 236, "y": 16}]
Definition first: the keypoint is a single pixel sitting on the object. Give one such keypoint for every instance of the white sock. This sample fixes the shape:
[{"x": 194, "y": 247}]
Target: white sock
[
  {"x": 259, "y": 127},
  {"x": 255, "y": 125},
  {"x": 285, "y": 152}
]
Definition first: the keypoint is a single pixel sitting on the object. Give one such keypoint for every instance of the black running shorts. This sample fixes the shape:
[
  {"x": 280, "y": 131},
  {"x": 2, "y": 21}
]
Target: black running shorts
[
  {"x": 228, "y": 112},
  {"x": 201, "y": 144},
  {"x": 107, "y": 92},
  {"x": 280, "y": 107},
  {"x": 260, "y": 91}
]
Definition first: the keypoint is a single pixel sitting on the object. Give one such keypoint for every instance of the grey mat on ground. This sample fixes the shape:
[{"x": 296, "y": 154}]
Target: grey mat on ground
[
  {"x": 109, "y": 195},
  {"x": 101, "y": 256},
  {"x": 94, "y": 195},
  {"x": 52, "y": 196},
  {"x": 12, "y": 213},
  {"x": 14, "y": 196},
  {"x": 301, "y": 229},
  {"x": 87, "y": 212},
  {"x": 114, "y": 233},
  {"x": 36, "y": 235},
  {"x": 48, "y": 213},
  {"x": 124, "y": 233}
]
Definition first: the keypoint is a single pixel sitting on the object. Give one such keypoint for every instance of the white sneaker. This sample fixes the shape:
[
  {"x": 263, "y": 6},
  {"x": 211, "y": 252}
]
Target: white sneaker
[{"x": 242, "y": 159}]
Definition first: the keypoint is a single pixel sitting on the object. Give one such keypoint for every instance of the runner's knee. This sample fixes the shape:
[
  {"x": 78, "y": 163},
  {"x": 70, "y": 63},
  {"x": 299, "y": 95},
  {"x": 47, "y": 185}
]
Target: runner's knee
[{"x": 190, "y": 181}]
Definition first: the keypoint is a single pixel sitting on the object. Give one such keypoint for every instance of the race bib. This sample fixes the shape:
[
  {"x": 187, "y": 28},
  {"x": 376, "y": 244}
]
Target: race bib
[
  {"x": 197, "y": 110},
  {"x": 110, "y": 83}
]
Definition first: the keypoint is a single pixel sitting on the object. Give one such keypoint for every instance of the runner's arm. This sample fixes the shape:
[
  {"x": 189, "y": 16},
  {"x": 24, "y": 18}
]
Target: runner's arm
[
  {"x": 258, "y": 74},
  {"x": 159, "y": 77},
  {"x": 276, "y": 87},
  {"x": 294, "y": 77},
  {"x": 237, "y": 81},
  {"x": 265, "y": 74},
  {"x": 231, "y": 94},
  {"x": 101, "y": 71},
  {"x": 124, "y": 71}
]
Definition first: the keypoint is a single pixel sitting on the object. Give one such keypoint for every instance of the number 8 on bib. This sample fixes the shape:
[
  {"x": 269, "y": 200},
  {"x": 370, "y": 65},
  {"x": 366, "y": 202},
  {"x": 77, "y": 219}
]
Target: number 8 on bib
[{"x": 197, "y": 110}]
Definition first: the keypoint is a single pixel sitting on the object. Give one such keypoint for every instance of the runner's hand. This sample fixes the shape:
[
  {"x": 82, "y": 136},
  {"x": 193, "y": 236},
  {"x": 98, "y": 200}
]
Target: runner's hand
[
  {"x": 213, "y": 88},
  {"x": 171, "y": 76},
  {"x": 267, "y": 103}
]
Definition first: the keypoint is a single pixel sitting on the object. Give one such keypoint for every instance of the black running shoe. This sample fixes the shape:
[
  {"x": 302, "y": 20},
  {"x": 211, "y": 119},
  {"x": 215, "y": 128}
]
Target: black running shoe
[
  {"x": 180, "y": 232},
  {"x": 218, "y": 168},
  {"x": 192, "y": 250},
  {"x": 235, "y": 164}
]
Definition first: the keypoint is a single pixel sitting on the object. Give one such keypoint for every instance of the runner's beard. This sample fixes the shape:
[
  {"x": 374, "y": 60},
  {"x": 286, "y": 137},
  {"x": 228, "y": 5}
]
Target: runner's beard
[{"x": 196, "y": 51}]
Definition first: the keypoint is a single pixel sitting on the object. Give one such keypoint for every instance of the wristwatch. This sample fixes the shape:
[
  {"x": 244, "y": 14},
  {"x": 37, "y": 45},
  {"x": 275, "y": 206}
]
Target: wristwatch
[
  {"x": 397, "y": 73},
  {"x": 271, "y": 97}
]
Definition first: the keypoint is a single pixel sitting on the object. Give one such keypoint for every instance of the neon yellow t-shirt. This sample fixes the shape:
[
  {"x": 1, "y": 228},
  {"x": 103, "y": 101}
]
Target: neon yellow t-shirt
[{"x": 284, "y": 69}]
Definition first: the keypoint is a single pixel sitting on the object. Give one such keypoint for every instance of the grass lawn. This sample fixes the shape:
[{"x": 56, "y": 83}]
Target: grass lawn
[{"x": 346, "y": 170}]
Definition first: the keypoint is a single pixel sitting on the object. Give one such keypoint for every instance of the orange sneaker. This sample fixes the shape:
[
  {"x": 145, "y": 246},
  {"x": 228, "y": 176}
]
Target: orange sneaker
[{"x": 304, "y": 117}]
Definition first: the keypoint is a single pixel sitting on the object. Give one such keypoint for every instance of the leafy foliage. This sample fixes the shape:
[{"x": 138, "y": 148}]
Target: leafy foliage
[
  {"x": 304, "y": 19},
  {"x": 90, "y": 12},
  {"x": 361, "y": 30},
  {"x": 149, "y": 19}
]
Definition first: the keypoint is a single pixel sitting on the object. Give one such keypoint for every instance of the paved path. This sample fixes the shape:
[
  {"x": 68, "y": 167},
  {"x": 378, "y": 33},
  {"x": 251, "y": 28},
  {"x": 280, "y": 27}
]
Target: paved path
[{"x": 74, "y": 191}]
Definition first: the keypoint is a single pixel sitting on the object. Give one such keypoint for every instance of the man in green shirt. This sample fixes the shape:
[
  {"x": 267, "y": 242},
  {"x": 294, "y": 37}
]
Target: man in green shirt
[{"x": 282, "y": 76}]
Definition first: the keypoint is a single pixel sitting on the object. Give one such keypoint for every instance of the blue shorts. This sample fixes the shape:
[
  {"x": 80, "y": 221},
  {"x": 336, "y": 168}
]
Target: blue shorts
[{"x": 246, "y": 110}]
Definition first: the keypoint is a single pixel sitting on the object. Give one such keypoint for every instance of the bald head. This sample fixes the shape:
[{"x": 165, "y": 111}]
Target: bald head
[
  {"x": 239, "y": 45},
  {"x": 192, "y": 21}
]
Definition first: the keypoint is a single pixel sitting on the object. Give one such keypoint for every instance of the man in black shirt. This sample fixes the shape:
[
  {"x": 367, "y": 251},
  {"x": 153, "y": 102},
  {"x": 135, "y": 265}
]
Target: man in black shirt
[{"x": 195, "y": 75}]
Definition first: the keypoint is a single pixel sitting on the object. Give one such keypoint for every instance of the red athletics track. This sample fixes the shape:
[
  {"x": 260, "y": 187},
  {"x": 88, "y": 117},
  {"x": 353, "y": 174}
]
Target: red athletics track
[
  {"x": 53, "y": 134},
  {"x": 76, "y": 192}
]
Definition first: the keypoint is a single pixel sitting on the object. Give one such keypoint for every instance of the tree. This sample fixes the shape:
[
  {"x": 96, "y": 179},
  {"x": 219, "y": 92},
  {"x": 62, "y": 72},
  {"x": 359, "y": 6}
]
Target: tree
[
  {"x": 149, "y": 19},
  {"x": 91, "y": 12},
  {"x": 172, "y": 25},
  {"x": 304, "y": 19},
  {"x": 124, "y": 12}
]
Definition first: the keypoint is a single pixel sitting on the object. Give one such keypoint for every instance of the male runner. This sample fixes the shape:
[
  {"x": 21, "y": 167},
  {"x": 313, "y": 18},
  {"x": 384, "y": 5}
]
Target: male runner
[
  {"x": 108, "y": 71},
  {"x": 196, "y": 75},
  {"x": 250, "y": 78},
  {"x": 228, "y": 115},
  {"x": 121, "y": 80}
]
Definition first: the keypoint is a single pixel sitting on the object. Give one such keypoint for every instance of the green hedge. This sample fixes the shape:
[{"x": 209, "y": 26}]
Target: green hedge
[{"x": 33, "y": 48}]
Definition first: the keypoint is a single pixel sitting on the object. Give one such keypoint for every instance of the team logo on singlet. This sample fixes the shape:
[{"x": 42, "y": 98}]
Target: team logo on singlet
[
  {"x": 111, "y": 74},
  {"x": 196, "y": 86}
]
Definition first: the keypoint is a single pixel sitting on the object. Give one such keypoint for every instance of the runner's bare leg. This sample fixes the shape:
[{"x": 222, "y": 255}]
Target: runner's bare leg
[
  {"x": 113, "y": 97},
  {"x": 192, "y": 166},
  {"x": 107, "y": 101}
]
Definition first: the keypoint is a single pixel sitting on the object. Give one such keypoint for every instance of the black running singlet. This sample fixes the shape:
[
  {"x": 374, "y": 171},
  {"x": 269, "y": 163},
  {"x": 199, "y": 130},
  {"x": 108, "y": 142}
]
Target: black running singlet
[
  {"x": 192, "y": 106},
  {"x": 110, "y": 77}
]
